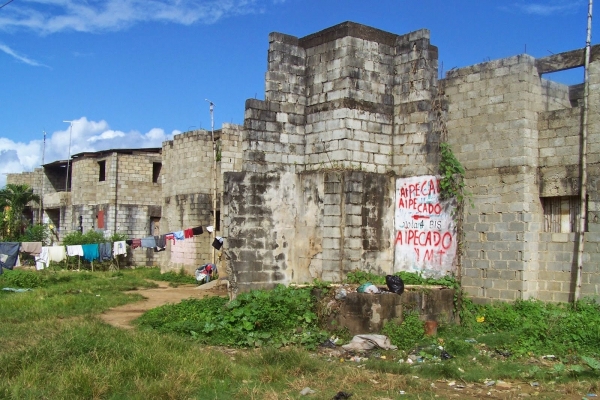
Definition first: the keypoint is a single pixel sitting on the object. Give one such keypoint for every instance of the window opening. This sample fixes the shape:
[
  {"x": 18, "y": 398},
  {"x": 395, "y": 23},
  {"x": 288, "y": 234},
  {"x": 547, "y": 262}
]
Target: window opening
[
  {"x": 561, "y": 214},
  {"x": 156, "y": 167},
  {"x": 101, "y": 171}
]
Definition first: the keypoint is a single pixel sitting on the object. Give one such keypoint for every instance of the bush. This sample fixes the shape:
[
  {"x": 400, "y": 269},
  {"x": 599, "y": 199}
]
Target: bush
[
  {"x": 409, "y": 278},
  {"x": 20, "y": 279},
  {"x": 406, "y": 334},
  {"x": 277, "y": 317},
  {"x": 36, "y": 233}
]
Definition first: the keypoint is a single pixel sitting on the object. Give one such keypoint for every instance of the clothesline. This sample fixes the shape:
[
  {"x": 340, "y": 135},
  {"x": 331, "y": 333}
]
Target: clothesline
[
  {"x": 10, "y": 251},
  {"x": 159, "y": 242}
]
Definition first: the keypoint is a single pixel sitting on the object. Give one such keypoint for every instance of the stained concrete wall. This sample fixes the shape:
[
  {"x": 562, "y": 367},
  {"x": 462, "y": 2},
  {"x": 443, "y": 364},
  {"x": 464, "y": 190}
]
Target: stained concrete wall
[
  {"x": 286, "y": 227},
  {"x": 345, "y": 110}
]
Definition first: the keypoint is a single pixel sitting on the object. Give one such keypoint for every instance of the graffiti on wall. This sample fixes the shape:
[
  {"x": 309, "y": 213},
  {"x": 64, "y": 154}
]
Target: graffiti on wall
[{"x": 425, "y": 238}]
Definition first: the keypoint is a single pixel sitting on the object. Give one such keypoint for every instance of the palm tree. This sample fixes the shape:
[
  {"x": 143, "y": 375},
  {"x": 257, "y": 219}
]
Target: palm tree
[{"x": 13, "y": 200}]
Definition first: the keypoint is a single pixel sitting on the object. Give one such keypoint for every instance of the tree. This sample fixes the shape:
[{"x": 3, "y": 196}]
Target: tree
[{"x": 13, "y": 200}]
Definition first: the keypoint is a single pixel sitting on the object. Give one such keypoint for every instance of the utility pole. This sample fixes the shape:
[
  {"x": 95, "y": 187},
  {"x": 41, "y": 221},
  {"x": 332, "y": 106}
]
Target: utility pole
[
  {"x": 40, "y": 219},
  {"x": 583, "y": 177},
  {"x": 69, "y": 158},
  {"x": 214, "y": 173}
]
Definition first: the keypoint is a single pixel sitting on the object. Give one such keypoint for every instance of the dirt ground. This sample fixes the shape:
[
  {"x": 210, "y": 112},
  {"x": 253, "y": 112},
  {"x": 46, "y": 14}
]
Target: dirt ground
[{"x": 121, "y": 317}]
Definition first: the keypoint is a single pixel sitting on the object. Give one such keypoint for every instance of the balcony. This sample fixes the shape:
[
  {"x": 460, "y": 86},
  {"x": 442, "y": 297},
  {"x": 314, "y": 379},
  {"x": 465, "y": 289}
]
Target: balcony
[{"x": 57, "y": 199}]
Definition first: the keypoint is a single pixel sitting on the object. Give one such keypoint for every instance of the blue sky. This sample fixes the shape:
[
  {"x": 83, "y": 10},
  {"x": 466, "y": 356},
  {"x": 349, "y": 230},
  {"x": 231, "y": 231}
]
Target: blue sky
[{"x": 132, "y": 73}]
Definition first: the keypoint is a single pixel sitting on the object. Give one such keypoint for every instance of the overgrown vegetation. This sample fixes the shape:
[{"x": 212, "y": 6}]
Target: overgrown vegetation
[
  {"x": 535, "y": 328},
  {"x": 14, "y": 226},
  {"x": 452, "y": 185},
  {"x": 409, "y": 278},
  {"x": 406, "y": 334},
  {"x": 91, "y": 237},
  {"x": 278, "y": 317},
  {"x": 54, "y": 346}
]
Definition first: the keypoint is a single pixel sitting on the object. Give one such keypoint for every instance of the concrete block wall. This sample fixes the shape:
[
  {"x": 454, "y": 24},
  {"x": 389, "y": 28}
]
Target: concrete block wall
[
  {"x": 187, "y": 182},
  {"x": 329, "y": 126},
  {"x": 286, "y": 227},
  {"x": 492, "y": 128},
  {"x": 334, "y": 98},
  {"x": 559, "y": 151},
  {"x": 555, "y": 96},
  {"x": 415, "y": 138},
  {"x": 518, "y": 136}
]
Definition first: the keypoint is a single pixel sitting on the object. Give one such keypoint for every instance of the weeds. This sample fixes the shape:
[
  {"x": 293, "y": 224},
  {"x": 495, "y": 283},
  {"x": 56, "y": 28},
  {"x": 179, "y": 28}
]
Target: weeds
[
  {"x": 279, "y": 317},
  {"x": 54, "y": 346},
  {"x": 405, "y": 334}
]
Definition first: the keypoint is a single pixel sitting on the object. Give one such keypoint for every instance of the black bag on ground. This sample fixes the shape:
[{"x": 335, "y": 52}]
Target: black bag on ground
[{"x": 394, "y": 283}]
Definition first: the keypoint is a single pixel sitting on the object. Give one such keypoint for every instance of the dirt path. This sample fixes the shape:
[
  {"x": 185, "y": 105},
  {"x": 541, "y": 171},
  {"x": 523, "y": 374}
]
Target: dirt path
[{"x": 122, "y": 316}]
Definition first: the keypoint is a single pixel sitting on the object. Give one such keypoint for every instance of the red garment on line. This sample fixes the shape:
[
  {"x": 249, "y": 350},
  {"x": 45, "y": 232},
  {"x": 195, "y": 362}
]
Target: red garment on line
[{"x": 188, "y": 233}]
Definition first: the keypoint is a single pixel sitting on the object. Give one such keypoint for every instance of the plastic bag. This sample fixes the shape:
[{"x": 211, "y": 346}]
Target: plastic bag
[
  {"x": 394, "y": 283},
  {"x": 361, "y": 288},
  {"x": 372, "y": 289}
]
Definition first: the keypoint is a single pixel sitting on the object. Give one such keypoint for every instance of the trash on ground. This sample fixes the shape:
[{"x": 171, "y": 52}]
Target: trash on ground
[
  {"x": 328, "y": 344},
  {"x": 368, "y": 342},
  {"x": 10, "y": 289},
  {"x": 395, "y": 284},
  {"x": 306, "y": 391},
  {"x": 342, "y": 396}
]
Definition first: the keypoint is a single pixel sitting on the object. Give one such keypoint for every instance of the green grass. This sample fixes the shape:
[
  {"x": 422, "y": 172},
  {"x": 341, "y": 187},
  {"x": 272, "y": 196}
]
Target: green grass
[{"x": 53, "y": 345}]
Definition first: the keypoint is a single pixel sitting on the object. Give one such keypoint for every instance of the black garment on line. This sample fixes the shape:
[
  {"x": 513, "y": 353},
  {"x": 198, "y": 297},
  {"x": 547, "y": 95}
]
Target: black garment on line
[{"x": 217, "y": 244}]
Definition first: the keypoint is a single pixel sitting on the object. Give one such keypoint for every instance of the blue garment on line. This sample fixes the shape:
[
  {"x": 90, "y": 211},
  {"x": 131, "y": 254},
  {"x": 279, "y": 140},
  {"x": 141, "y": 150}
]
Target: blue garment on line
[
  {"x": 178, "y": 235},
  {"x": 105, "y": 250},
  {"x": 90, "y": 252},
  {"x": 149, "y": 242}
]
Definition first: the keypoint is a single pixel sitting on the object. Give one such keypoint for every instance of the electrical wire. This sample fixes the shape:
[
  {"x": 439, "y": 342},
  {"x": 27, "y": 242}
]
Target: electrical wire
[{"x": 7, "y": 3}]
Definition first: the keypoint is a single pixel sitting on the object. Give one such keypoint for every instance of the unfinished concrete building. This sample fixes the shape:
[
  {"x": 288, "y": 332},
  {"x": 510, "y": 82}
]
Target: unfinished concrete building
[
  {"x": 188, "y": 184},
  {"x": 110, "y": 191},
  {"x": 336, "y": 170},
  {"x": 339, "y": 158}
]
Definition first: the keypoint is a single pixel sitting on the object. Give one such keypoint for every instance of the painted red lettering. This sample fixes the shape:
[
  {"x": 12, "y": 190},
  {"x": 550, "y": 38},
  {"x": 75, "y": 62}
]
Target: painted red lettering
[
  {"x": 437, "y": 238},
  {"x": 428, "y": 255},
  {"x": 399, "y": 237},
  {"x": 418, "y": 253},
  {"x": 411, "y": 236},
  {"x": 447, "y": 241}
]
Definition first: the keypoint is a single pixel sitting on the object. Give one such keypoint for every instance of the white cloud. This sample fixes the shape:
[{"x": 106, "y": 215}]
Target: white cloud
[
  {"x": 51, "y": 16},
  {"x": 86, "y": 136},
  {"x": 550, "y": 8},
  {"x": 19, "y": 57}
]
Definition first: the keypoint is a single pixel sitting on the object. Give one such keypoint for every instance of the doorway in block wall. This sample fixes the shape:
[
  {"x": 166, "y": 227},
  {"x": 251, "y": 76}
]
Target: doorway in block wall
[{"x": 155, "y": 226}]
